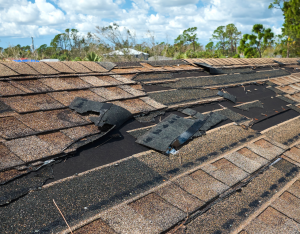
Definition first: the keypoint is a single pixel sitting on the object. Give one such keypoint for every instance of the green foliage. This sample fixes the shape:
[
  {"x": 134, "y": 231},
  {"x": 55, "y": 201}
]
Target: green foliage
[
  {"x": 253, "y": 45},
  {"x": 236, "y": 56},
  {"x": 93, "y": 57},
  {"x": 209, "y": 46},
  {"x": 189, "y": 36}
]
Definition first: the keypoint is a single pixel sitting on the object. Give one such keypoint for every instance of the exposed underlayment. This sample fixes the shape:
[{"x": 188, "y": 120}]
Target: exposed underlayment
[{"x": 234, "y": 167}]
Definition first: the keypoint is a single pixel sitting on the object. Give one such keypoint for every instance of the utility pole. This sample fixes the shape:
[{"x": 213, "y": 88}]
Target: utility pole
[{"x": 32, "y": 45}]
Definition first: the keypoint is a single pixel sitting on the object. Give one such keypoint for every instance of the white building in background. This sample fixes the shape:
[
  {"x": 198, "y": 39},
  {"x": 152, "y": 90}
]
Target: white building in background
[{"x": 129, "y": 52}]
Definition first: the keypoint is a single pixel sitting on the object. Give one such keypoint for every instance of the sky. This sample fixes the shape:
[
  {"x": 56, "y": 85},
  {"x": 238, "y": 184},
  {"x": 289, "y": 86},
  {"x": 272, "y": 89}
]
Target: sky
[{"x": 166, "y": 19}]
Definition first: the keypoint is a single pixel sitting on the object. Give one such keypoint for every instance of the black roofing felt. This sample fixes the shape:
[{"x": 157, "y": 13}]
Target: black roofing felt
[
  {"x": 166, "y": 63},
  {"x": 128, "y": 64},
  {"x": 153, "y": 76},
  {"x": 216, "y": 71}
]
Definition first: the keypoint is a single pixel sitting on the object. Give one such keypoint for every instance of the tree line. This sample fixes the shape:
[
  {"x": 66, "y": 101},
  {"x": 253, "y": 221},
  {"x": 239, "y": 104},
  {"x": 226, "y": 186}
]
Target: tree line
[{"x": 226, "y": 41}]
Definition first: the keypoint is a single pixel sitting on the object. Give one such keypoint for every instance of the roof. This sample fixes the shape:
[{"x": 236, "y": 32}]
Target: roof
[
  {"x": 233, "y": 126},
  {"x": 127, "y": 51}
]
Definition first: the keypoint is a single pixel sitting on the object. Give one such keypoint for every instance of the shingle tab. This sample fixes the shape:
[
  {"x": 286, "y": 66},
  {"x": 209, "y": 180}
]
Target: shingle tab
[
  {"x": 10, "y": 128},
  {"x": 31, "y": 86},
  {"x": 65, "y": 83},
  {"x": 154, "y": 208},
  {"x": 132, "y": 91},
  {"x": 7, "y": 89},
  {"x": 21, "y": 68},
  {"x": 43, "y": 68},
  {"x": 110, "y": 80},
  {"x": 61, "y": 67},
  {"x": 77, "y": 67},
  {"x": 95, "y": 81},
  {"x": 81, "y": 132},
  {"x": 265, "y": 149},
  {"x": 29, "y": 148},
  {"x": 93, "y": 66},
  {"x": 23, "y": 104},
  {"x": 5, "y": 71},
  {"x": 7, "y": 158},
  {"x": 201, "y": 185},
  {"x": 134, "y": 105},
  {"x": 66, "y": 97},
  {"x": 111, "y": 93},
  {"x": 52, "y": 120},
  {"x": 56, "y": 141}
]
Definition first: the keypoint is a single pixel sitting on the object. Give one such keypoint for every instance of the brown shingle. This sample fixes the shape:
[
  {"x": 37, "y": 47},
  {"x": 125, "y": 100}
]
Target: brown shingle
[
  {"x": 225, "y": 171},
  {"x": 179, "y": 198},
  {"x": 93, "y": 66},
  {"x": 154, "y": 208},
  {"x": 5, "y": 71},
  {"x": 65, "y": 83},
  {"x": 8, "y": 175},
  {"x": 29, "y": 103},
  {"x": 10, "y": 128},
  {"x": 265, "y": 149},
  {"x": 288, "y": 204},
  {"x": 273, "y": 222},
  {"x": 132, "y": 91},
  {"x": 52, "y": 120},
  {"x": 134, "y": 105},
  {"x": 95, "y": 81},
  {"x": 96, "y": 227},
  {"x": 153, "y": 103},
  {"x": 294, "y": 153},
  {"x": 67, "y": 97},
  {"x": 112, "y": 93},
  {"x": 56, "y": 141},
  {"x": 43, "y": 68},
  {"x": 295, "y": 189},
  {"x": 31, "y": 86},
  {"x": 7, "y": 158},
  {"x": 81, "y": 132},
  {"x": 77, "y": 67},
  {"x": 7, "y": 89},
  {"x": 29, "y": 148},
  {"x": 21, "y": 68},
  {"x": 124, "y": 70},
  {"x": 61, "y": 67},
  {"x": 110, "y": 80},
  {"x": 123, "y": 79}
]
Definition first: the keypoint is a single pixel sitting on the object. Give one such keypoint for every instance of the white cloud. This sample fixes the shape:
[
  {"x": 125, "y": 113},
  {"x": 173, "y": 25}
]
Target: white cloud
[{"x": 22, "y": 18}]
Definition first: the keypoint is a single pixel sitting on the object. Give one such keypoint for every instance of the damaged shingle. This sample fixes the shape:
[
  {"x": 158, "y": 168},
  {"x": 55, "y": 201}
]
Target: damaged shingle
[
  {"x": 227, "y": 96},
  {"x": 107, "y": 65},
  {"x": 109, "y": 113}
]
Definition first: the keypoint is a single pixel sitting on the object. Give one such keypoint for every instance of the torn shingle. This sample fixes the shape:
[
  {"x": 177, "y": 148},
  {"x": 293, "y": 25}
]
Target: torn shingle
[
  {"x": 43, "y": 68},
  {"x": 132, "y": 91},
  {"x": 123, "y": 79},
  {"x": 153, "y": 103},
  {"x": 110, "y": 80},
  {"x": 161, "y": 136},
  {"x": 4, "y": 108},
  {"x": 227, "y": 96},
  {"x": 93, "y": 66},
  {"x": 66, "y": 97},
  {"x": 109, "y": 114},
  {"x": 6, "y": 89},
  {"x": 160, "y": 63},
  {"x": 52, "y": 120}
]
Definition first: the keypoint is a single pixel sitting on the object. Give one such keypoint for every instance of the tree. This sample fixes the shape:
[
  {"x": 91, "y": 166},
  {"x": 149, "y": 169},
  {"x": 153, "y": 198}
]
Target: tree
[
  {"x": 233, "y": 35},
  {"x": 189, "y": 36},
  {"x": 220, "y": 35},
  {"x": 258, "y": 42},
  {"x": 209, "y": 46}
]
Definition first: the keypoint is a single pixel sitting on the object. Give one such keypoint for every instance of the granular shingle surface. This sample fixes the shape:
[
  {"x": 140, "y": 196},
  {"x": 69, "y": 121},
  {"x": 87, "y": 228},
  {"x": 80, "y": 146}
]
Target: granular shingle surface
[
  {"x": 95, "y": 81},
  {"x": 111, "y": 93},
  {"x": 23, "y": 104},
  {"x": 21, "y": 68},
  {"x": 8, "y": 159},
  {"x": 77, "y": 67},
  {"x": 80, "y": 132},
  {"x": 93, "y": 66},
  {"x": 7, "y": 89},
  {"x": 96, "y": 227},
  {"x": 61, "y": 67},
  {"x": 31, "y": 86},
  {"x": 43, "y": 68},
  {"x": 5, "y": 71},
  {"x": 11, "y": 128},
  {"x": 56, "y": 141},
  {"x": 65, "y": 83},
  {"x": 52, "y": 120}
]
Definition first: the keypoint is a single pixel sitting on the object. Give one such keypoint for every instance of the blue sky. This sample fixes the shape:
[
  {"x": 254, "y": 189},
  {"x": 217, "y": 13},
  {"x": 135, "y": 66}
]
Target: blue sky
[{"x": 43, "y": 19}]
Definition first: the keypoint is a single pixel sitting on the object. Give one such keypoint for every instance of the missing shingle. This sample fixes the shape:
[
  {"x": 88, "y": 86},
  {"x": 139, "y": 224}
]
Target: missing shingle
[
  {"x": 107, "y": 65},
  {"x": 247, "y": 106},
  {"x": 150, "y": 117}
]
